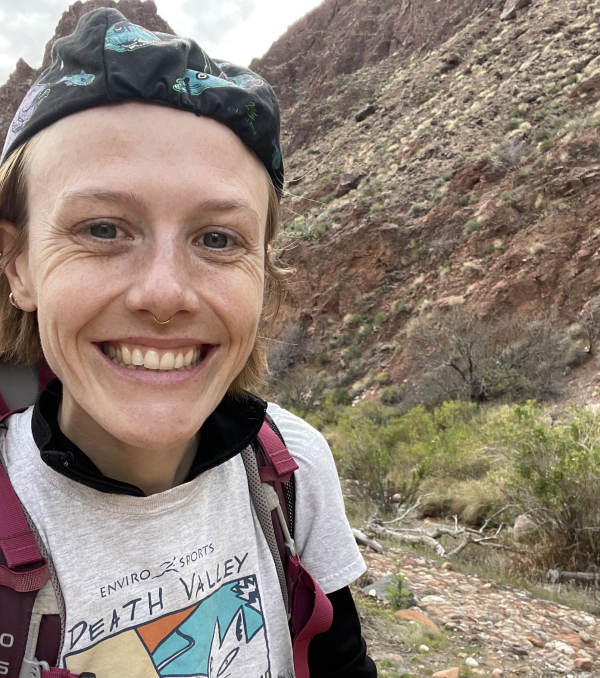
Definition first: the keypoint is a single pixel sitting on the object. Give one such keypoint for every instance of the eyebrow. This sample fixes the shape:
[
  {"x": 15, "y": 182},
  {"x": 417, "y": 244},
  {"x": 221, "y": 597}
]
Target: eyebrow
[{"x": 125, "y": 198}]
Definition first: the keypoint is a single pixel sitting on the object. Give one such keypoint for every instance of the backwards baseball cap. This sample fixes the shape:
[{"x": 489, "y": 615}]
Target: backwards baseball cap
[{"x": 108, "y": 59}]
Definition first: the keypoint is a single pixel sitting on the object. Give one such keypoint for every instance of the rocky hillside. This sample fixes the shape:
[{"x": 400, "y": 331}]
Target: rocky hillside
[{"x": 460, "y": 170}]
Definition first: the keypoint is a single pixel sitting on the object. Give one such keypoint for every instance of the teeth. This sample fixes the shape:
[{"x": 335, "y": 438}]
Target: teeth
[
  {"x": 167, "y": 362},
  {"x": 152, "y": 360},
  {"x": 136, "y": 360}
]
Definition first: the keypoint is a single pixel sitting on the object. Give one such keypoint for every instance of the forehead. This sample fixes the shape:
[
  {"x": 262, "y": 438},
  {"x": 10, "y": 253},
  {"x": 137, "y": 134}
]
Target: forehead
[{"x": 153, "y": 151}]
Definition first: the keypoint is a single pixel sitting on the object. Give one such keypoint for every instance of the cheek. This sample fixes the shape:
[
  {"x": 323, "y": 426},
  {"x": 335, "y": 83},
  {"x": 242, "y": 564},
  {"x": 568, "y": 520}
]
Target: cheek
[
  {"x": 237, "y": 301},
  {"x": 70, "y": 295}
]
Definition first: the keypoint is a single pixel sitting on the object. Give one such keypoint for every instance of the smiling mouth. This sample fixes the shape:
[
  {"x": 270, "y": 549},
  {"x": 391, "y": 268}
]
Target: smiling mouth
[{"x": 153, "y": 359}]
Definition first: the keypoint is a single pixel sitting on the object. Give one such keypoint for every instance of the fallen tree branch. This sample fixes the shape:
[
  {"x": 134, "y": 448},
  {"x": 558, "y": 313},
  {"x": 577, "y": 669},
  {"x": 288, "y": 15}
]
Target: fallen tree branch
[
  {"x": 557, "y": 576},
  {"x": 409, "y": 510},
  {"x": 431, "y": 538},
  {"x": 362, "y": 538},
  {"x": 413, "y": 539}
]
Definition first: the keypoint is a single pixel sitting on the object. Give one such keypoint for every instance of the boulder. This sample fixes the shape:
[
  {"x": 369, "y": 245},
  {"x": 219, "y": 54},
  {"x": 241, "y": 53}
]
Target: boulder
[
  {"x": 449, "y": 62},
  {"x": 365, "y": 113},
  {"x": 349, "y": 182},
  {"x": 510, "y": 9},
  {"x": 523, "y": 528},
  {"x": 380, "y": 587},
  {"x": 584, "y": 664},
  {"x": 417, "y": 616},
  {"x": 447, "y": 673}
]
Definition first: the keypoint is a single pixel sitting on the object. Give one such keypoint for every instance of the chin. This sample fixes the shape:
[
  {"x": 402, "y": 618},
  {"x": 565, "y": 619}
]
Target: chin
[{"x": 157, "y": 436}]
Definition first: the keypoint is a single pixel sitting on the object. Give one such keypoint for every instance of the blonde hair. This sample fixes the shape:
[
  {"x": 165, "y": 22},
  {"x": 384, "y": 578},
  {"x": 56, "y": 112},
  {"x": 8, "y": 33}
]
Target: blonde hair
[{"x": 19, "y": 333}]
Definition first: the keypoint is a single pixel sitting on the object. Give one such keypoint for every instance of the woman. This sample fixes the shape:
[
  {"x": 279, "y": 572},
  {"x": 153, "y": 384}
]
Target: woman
[{"x": 136, "y": 250}]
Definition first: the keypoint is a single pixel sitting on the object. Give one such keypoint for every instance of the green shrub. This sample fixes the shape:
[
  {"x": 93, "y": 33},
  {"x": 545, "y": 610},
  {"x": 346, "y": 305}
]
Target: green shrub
[
  {"x": 379, "y": 318},
  {"x": 392, "y": 395},
  {"x": 545, "y": 146},
  {"x": 351, "y": 353},
  {"x": 519, "y": 112},
  {"x": 462, "y": 200},
  {"x": 364, "y": 331},
  {"x": 399, "y": 597},
  {"x": 471, "y": 226},
  {"x": 400, "y": 306},
  {"x": 418, "y": 209},
  {"x": 323, "y": 358},
  {"x": 352, "y": 319},
  {"x": 556, "y": 481}
]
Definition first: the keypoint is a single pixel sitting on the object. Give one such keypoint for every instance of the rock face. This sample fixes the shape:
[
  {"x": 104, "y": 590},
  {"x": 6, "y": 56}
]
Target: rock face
[
  {"x": 340, "y": 37},
  {"x": 511, "y": 7},
  {"x": 12, "y": 92}
]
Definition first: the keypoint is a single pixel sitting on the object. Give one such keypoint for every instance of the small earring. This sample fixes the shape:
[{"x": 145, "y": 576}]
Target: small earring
[{"x": 13, "y": 301}]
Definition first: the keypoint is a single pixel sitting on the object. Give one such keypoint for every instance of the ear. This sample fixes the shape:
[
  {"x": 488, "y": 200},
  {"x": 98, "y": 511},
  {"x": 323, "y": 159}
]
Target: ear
[{"x": 17, "y": 269}]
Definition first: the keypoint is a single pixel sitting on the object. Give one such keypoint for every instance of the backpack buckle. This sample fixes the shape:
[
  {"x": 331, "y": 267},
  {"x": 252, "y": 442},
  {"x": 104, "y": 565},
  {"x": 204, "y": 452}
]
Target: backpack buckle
[
  {"x": 275, "y": 505},
  {"x": 32, "y": 668}
]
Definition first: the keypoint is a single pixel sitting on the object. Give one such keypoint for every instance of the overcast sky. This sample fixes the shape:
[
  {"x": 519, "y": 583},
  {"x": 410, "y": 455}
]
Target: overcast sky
[{"x": 236, "y": 30}]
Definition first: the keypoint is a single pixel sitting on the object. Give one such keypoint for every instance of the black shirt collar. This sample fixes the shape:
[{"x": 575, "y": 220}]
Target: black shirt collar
[{"x": 230, "y": 428}]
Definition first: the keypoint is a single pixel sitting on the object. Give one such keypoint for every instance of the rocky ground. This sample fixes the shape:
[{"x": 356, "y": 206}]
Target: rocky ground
[{"x": 470, "y": 626}]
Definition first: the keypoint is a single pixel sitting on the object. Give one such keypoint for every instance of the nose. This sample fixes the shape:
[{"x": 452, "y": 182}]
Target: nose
[{"x": 162, "y": 286}]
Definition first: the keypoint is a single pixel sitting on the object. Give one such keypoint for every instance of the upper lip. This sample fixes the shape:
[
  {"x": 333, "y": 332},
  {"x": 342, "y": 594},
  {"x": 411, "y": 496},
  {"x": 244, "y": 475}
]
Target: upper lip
[{"x": 164, "y": 343}]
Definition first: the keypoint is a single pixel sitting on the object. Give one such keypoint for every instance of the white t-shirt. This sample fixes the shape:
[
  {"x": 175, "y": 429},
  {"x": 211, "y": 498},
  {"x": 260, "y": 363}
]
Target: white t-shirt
[{"x": 181, "y": 583}]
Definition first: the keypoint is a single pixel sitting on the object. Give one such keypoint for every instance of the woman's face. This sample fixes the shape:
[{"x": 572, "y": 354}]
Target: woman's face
[{"x": 137, "y": 212}]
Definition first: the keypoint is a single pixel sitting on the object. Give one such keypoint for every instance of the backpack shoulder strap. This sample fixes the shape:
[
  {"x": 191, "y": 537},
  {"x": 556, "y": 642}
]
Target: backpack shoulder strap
[
  {"x": 310, "y": 610},
  {"x": 23, "y": 574}
]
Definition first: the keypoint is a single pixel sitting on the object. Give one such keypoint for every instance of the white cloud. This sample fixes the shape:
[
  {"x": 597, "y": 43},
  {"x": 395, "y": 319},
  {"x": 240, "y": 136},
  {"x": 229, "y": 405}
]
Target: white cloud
[{"x": 236, "y": 30}]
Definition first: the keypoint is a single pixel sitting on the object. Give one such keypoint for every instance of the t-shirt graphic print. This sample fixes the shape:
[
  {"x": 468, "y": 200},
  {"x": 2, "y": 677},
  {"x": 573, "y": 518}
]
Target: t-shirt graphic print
[{"x": 219, "y": 636}]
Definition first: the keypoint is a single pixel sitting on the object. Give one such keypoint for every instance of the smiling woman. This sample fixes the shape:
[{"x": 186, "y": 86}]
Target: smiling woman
[{"x": 136, "y": 243}]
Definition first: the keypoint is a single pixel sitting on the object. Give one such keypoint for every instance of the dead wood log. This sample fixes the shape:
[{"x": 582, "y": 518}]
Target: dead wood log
[
  {"x": 362, "y": 538},
  {"x": 558, "y": 576},
  {"x": 406, "y": 538}
]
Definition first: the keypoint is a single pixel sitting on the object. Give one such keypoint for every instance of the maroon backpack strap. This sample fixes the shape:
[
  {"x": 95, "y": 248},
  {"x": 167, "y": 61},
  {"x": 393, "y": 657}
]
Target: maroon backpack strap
[
  {"x": 4, "y": 408},
  {"x": 311, "y": 611},
  {"x": 281, "y": 463},
  {"x": 18, "y": 544},
  {"x": 23, "y": 572}
]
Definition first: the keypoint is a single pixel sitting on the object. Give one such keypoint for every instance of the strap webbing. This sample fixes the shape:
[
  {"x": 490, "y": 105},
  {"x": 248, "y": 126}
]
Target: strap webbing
[
  {"x": 17, "y": 541},
  {"x": 61, "y": 673},
  {"x": 265, "y": 519},
  {"x": 23, "y": 582},
  {"x": 283, "y": 464}
]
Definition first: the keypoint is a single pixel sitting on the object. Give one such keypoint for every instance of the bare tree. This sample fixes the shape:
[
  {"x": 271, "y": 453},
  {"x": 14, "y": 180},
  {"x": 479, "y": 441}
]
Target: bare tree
[
  {"x": 456, "y": 350},
  {"x": 479, "y": 360}
]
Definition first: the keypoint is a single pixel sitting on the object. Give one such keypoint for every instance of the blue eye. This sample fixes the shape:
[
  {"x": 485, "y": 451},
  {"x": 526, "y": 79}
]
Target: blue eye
[
  {"x": 217, "y": 241},
  {"x": 104, "y": 231}
]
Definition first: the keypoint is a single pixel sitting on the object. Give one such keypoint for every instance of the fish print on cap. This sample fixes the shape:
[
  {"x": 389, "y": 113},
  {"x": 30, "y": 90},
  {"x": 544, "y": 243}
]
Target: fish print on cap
[
  {"x": 36, "y": 96},
  {"x": 195, "y": 82}
]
